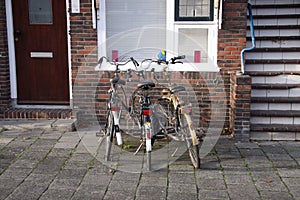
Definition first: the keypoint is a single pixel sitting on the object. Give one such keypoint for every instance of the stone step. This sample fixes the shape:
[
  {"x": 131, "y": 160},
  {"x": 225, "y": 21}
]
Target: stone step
[
  {"x": 274, "y": 61},
  {"x": 271, "y": 73},
  {"x": 274, "y": 43},
  {"x": 286, "y": 106},
  {"x": 275, "y": 99},
  {"x": 254, "y": 55},
  {"x": 274, "y": 32},
  {"x": 274, "y": 86},
  {"x": 278, "y": 16},
  {"x": 275, "y": 113},
  {"x": 275, "y": 2},
  {"x": 272, "y": 68},
  {"x": 275, "y": 127},
  {"x": 271, "y": 50},
  {"x": 294, "y": 92},
  {"x": 276, "y": 38},
  {"x": 288, "y": 6},
  {"x": 275, "y": 27},
  {"x": 275, "y": 21},
  {"x": 289, "y": 80}
]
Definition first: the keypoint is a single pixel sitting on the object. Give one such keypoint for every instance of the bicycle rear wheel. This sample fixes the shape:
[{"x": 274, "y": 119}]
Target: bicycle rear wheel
[{"x": 188, "y": 132}]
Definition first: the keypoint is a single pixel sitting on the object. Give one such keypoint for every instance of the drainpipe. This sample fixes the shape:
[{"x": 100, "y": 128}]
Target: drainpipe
[{"x": 252, "y": 38}]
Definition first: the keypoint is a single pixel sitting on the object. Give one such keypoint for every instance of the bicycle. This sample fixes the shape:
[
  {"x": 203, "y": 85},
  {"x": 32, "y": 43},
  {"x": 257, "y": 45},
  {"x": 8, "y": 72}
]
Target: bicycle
[
  {"x": 175, "y": 115},
  {"x": 115, "y": 106}
]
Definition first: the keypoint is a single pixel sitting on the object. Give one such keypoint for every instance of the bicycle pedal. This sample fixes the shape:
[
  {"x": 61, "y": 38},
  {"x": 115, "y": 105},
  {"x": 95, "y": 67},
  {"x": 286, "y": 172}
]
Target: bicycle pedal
[
  {"x": 160, "y": 135},
  {"x": 101, "y": 133},
  {"x": 170, "y": 130}
]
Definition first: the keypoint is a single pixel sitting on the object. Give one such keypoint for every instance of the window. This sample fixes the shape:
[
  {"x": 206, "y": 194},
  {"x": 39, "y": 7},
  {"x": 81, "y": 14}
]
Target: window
[
  {"x": 135, "y": 28},
  {"x": 40, "y": 11},
  {"x": 140, "y": 29},
  {"x": 194, "y": 10}
]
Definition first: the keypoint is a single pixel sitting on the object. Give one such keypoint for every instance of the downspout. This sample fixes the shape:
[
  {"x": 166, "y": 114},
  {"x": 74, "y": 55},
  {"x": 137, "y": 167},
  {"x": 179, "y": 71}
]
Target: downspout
[{"x": 252, "y": 38}]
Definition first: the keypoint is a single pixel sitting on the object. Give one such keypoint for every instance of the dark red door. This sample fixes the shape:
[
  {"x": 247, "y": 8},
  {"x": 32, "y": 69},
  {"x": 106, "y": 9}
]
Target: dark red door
[{"x": 40, "y": 31}]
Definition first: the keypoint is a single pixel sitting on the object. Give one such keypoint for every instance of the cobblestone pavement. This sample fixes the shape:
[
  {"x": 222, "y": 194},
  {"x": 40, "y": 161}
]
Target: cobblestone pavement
[{"x": 45, "y": 160}]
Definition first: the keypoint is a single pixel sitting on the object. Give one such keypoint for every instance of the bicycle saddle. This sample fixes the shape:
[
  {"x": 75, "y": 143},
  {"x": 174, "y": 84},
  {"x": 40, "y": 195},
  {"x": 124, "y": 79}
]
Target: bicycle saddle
[
  {"x": 146, "y": 85},
  {"x": 177, "y": 88},
  {"x": 117, "y": 80}
]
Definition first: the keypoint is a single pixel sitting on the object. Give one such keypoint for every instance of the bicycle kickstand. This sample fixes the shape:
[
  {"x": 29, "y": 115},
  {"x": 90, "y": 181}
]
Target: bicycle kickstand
[{"x": 139, "y": 148}]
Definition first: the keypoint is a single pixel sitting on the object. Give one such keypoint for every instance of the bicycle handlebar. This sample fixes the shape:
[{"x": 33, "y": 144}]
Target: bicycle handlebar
[
  {"x": 171, "y": 61},
  {"x": 117, "y": 64}
]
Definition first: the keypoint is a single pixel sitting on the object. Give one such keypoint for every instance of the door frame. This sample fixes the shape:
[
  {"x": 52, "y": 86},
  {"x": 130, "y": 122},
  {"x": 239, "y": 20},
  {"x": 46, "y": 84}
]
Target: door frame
[{"x": 12, "y": 56}]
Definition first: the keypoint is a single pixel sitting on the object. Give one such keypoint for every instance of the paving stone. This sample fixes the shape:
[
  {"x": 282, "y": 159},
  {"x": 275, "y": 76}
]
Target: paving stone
[
  {"x": 124, "y": 185},
  {"x": 289, "y": 172},
  {"x": 181, "y": 196},
  {"x": 182, "y": 178},
  {"x": 33, "y": 155},
  {"x": 252, "y": 152},
  {"x": 81, "y": 157},
  {"x": 76, "y": 165},
  {"x": 5, "y": 192},
  {"x": 209, "y": 174},
  {"x": 51, "y": 135},
  {"x": 213, "y": 194},
  {"x": 271, "y": 185},
  {"x": 113, "y": 195},
  {"x": 295, "y": 191},
  {"x": 89, "y": 191},
  {"x": 182, "y": 188},
  {"x": 233, "y": 179},
  {"x": 285, "y": 164},
  {"x": 20, "y": 163},
  {"x": 210, "y": 165},
  {"x": 243, "y": 191},
  {"x": 42, "y": 145},
  {"x": 65, "y": 183},
  {"x": 71, "y": 173},
  {"x": 271, "y": 195},
  {"x": 211, "y": 184},
  {"x": 181, "y": 168},
  {"x": 8, "y": 183},
  {"x": 145, "y": 181},
  {"x": 291, "y": 181},
  {"x": 60, "y": 153},
  {"x": 64, "y": 125},
  {"x": 152, "y": 191},
  {"x": 96, "y": 180},
  {"x": 28, "y": 190},
  {"x": 5, "y": 140},
  {"x": 57, "y": 194},
  {"x": 41, "y": 178},
  {"x": 16, "y": 173}
]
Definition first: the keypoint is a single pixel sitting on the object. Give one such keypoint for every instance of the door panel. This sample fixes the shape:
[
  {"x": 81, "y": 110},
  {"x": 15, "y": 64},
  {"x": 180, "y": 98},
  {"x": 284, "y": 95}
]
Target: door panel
[{"x": 40, "y": 31}]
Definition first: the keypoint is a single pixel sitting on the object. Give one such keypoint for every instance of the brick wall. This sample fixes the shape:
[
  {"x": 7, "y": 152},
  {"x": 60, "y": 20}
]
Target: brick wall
[
  {"x": 83, "y": 60},
  {"x": 90, "y": 87},
  {"x": 240, "y": 105},
  {"x": 231, "y": 41},
  {"x": 4, "y": 62}
]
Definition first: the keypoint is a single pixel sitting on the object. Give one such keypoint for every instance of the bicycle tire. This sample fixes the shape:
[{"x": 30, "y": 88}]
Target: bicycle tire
[
  {"x": 109, "y": 134},
  {"x": 193, "y": 150}
]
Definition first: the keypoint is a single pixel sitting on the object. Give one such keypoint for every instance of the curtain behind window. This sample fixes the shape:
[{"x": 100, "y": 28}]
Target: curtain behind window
[{"x": 135, "y": 28}]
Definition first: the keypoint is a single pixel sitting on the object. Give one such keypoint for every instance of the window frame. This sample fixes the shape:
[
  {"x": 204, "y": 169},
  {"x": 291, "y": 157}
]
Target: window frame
[
  {"x": 178, "y": 18},
  {"x": 172, "y": 28}
]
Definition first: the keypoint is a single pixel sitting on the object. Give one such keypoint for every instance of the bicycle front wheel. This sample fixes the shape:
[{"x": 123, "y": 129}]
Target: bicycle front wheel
[
  {"x": 109, "y": 134},
  {"x": 189, "y": 134}
]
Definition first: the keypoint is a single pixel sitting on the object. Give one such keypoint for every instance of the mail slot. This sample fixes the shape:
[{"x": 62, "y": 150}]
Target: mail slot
[{"x": 41, "y": 54}]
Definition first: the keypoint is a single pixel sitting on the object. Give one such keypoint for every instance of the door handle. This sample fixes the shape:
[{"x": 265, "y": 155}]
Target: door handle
[{"x": 17, "y": 32}]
